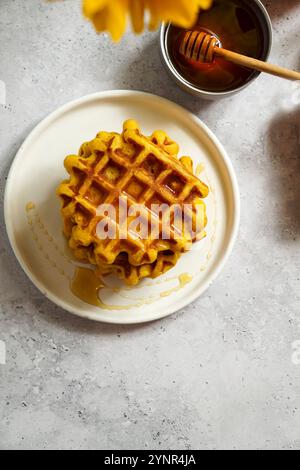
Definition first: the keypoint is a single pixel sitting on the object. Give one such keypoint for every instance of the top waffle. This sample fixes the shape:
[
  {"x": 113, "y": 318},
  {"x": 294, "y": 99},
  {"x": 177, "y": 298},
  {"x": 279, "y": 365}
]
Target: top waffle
[{"x": 135, "y": 170}]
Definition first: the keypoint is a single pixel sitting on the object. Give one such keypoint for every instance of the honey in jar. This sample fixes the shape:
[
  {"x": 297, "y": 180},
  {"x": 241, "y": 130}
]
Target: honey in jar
[{"x": 238, "y": 28}]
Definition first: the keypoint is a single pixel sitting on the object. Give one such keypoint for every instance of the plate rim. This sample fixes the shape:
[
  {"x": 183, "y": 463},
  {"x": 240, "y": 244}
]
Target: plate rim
[{"x": 234, "y": 187}]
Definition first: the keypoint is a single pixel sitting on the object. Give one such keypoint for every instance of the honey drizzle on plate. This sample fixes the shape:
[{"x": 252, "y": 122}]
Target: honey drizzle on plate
[
  {"x": 86, "y": 285},
  {"x": 183, "y": 279},
  {"x": 200, "y": 169}
]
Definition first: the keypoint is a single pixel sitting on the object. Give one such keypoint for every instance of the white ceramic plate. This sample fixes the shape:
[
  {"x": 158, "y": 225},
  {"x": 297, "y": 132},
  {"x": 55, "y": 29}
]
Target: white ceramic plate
[{"x": 36, "y": 234}]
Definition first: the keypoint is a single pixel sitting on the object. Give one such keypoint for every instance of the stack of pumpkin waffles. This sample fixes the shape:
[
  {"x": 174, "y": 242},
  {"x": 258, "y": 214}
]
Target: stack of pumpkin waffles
[{"x": 121, "y": 204}]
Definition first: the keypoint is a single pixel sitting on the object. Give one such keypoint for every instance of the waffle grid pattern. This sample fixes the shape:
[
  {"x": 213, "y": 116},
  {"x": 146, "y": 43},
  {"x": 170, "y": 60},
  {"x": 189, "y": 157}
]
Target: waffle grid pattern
[{"x": 141, "y": 171}]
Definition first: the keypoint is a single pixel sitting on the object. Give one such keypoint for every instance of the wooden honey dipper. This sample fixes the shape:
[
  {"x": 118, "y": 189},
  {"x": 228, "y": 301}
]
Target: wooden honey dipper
[{"x": 201, "y": 46}]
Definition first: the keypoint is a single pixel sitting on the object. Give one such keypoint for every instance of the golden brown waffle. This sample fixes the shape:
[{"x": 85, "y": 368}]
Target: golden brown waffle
[{"x": 142, "y": 171}]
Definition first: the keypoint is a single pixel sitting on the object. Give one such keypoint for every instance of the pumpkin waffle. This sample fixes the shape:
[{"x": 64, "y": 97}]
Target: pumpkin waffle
[{"x": 141, "y": 171}]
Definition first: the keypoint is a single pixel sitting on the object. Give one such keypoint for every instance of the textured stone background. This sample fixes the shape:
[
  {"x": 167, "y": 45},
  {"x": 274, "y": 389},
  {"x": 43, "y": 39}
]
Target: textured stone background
[{"x": 218, "y": 374}]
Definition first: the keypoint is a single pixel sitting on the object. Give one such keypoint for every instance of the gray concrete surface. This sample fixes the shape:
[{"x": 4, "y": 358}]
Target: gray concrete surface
[{"x": 221, "y": 373}]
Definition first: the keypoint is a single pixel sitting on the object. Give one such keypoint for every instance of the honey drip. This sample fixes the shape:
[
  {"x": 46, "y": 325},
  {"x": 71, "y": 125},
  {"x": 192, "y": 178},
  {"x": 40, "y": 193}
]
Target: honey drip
[{"x": 86, "y": 286}]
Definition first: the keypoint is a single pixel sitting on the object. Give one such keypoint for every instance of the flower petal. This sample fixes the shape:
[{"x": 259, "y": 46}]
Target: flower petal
[
  {"x": 107, "y": 15},
  {"x": 100, "y": 21},
  {"x": 110, "y": 15},
  {"x": 181, "y": 12},
  {"x": 205, "y": 4},
  {"x": 137, "y": 12},
  {"x": 116, "y": 18},
  {"x": 93, "y": 7}
]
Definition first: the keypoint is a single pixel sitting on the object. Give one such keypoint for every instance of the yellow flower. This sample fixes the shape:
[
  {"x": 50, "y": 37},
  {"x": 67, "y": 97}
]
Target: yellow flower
[{"x": 111, "y": 15}]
